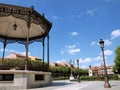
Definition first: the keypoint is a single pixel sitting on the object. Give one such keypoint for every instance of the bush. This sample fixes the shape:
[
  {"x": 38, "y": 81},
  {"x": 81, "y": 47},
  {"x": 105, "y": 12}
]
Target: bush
[
  {"x": 88, "y": 78},
  {"x": 113, "y": 77},
  {"x": 98, "y": 78},
  {"x": 60, "y": 78},
  {"x": 19, "y": 64}
]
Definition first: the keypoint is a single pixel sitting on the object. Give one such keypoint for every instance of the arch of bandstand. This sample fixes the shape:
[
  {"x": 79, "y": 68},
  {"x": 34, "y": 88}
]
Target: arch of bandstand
[{"x": 25, "y": 26}]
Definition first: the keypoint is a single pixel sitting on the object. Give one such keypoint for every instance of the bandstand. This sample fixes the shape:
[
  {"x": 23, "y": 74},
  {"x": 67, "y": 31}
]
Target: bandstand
[{"x": 25, "y": 26}]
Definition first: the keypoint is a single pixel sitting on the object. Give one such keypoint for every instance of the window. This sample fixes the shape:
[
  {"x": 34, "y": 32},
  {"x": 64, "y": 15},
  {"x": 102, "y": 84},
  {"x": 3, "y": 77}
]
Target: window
[
  {"x": 39, "y": 77},
  {"x": 6, "y": 77}
]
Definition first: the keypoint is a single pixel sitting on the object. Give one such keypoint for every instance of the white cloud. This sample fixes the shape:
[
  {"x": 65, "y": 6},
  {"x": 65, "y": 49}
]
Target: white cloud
[
  {"x": 84, "y": 61},
  {"x": 108, "y": 52},
  {"x": 59, "y": 61},
  {"x": 11, "y": 50},
  {"x": 84, "y": 66},
  {"x": 93, "y": 43},
  {"x": 115, "y": 33},
  {"x": 77, "y": 16},
  {"x": 96, "y": 61},
  {"x": 91, "y": 12},
  {"x": 97, "y": 58},
  {"x": 97, "y": 64},
  {"x": 54, "y": 17},
  {"x": 107, "y": 42},
  {"x": 74, "y": 33},
  {"x": 7, "y": 50},
  {"x": 23, "y": 53},
  {"x": 71, "y": 46},
  {"x": 73, "y": 51}
]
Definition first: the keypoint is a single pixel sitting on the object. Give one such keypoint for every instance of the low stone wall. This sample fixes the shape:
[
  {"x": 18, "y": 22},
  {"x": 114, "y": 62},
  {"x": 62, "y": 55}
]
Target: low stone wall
[{"x": 24, "y": 79}]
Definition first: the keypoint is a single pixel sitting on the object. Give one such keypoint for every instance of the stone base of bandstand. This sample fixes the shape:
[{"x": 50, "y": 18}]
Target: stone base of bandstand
[{"x": 24, "y": 79}]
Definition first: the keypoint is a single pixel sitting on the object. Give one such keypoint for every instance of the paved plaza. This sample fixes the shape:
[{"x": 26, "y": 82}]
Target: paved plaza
[{"x": 84, "y": 85}]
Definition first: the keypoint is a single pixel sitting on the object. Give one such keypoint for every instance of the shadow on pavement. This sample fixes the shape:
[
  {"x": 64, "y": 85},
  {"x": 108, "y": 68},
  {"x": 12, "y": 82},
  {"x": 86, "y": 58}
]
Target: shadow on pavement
[
  {"x": 113, "y": 85},
  {"x": 60, "y": 83}
]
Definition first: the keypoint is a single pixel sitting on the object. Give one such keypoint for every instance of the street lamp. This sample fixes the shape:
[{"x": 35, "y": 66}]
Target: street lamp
[
  {"x": 78, "y": 70},
  {"x": 71, "y": 75},
  {"x": 106, "y": 85}
]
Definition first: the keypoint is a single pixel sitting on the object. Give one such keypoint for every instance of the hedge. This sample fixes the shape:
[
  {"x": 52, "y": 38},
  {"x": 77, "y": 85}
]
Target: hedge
[
  {"x": 98, "y": 78},
  {"x": 19, "y": 64}
]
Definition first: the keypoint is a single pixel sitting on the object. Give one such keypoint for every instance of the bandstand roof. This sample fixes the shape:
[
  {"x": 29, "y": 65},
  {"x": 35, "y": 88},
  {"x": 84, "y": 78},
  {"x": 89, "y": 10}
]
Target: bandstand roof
[{"x": 15, "y": 21}]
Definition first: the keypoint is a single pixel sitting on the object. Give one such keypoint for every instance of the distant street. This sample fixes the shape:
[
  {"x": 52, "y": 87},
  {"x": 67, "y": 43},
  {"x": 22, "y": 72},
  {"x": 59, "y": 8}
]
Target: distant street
[{"x": 84, "y": 85}]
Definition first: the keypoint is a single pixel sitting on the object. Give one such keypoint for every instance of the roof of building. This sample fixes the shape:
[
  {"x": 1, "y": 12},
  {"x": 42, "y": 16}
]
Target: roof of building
[{"x": 22, "y": 55}]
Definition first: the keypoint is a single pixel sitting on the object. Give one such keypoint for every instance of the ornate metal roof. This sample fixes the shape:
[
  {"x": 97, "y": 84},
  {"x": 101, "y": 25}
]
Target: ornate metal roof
[{"x": 17, "y": 23}]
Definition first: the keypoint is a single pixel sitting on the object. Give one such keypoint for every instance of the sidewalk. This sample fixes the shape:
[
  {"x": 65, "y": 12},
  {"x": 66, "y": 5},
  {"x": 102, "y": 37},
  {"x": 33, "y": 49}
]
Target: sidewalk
[{"x": 88, "y": 85}]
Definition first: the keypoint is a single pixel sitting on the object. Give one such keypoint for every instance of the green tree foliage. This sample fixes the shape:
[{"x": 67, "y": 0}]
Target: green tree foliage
[
  {"x": 117, "y": 60},
  {"x": 19, "y": 64},
  {"x": 59, "y": 72}
]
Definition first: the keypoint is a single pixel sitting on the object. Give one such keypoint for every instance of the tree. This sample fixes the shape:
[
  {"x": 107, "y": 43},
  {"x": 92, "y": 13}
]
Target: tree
[{"x": 117, "y": 60}]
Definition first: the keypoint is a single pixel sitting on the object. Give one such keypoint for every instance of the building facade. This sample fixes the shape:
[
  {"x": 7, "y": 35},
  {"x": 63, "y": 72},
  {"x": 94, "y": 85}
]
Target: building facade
[
  {"x": 21, "y": 56},
  {"x": 99, "y": 70}
]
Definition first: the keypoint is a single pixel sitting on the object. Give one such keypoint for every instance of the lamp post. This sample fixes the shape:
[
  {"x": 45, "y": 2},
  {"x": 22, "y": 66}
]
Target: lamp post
[
  {"x": 78, "y": 70},
  {"x": 106, "y": 85},
  {"x": 71, "y": 75}
]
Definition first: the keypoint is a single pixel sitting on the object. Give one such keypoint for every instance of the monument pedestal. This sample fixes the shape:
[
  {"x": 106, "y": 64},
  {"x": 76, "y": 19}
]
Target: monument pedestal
[{"x": 71, "y": 78}]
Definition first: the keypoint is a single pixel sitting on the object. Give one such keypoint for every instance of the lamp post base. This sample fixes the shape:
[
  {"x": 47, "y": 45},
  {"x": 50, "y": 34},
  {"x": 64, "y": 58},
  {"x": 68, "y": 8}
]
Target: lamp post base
[
  {"x": 78, "y": 78},
  {"x": 107, "y": 85},
  {"x": 72, "y": 78}
]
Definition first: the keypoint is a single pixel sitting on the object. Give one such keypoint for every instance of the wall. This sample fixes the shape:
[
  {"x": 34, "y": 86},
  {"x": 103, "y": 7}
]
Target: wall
[{"x": 24, "y": 79}]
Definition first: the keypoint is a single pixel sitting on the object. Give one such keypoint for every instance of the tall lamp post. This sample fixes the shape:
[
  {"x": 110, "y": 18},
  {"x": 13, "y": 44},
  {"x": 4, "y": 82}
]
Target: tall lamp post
[
  {"x": 106, "y": 85},
  {"x": 71, "y": 75},
  {"x": 78, "y": 70}
]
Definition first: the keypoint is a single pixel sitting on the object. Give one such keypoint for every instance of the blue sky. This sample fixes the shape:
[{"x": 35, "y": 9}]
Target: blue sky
[{"x": 78, "y": 25}]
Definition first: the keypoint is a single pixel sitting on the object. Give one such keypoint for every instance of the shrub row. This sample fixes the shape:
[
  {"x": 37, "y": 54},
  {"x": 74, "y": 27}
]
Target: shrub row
[
  {"x": 113, "y": 77},
  {"x": 19, "y": 64},
  {"x": 60, "y": 78},
  {"x": 94, "y": 78},
  {"x": 91, "y": 78}
]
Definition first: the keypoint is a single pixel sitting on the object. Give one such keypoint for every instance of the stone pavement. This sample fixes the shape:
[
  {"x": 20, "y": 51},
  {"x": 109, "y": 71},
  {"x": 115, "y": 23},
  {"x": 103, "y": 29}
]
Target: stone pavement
[{"x": 84, "y": 85}]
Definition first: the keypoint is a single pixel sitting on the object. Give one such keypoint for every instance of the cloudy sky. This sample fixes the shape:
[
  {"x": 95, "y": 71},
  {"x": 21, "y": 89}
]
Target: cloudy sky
[{"x": 77, "y": 27}]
